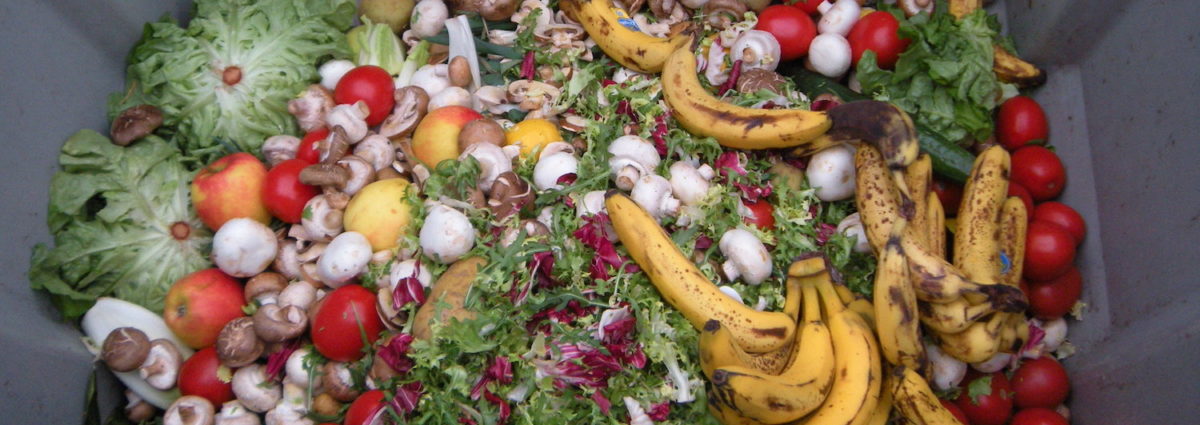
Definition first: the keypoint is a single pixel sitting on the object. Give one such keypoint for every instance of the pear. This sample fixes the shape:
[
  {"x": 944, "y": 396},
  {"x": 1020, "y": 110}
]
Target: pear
[{"x": 394, "y": 13}]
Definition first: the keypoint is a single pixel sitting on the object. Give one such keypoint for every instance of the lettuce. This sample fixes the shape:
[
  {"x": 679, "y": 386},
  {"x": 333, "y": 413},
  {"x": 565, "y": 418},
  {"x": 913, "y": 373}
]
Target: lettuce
[
  {"x": 268, "y": 50},
  {"x": 123, "y": 224}
]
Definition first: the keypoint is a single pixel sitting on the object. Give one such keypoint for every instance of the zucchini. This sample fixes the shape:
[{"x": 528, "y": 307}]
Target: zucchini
[{"x": 950, "y": 160}]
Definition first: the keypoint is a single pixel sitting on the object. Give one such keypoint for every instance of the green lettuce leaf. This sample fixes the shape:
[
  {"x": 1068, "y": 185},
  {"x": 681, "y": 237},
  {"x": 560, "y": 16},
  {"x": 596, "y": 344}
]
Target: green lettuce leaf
[
  {"x": 269, "y": 49},
  {"x": 122, "y": 222}
]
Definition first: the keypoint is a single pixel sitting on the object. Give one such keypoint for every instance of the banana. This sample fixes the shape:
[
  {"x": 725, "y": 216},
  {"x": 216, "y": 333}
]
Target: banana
[
  {"x": 896, "y": 318},
  {"x": 936, "y": 225},
  {"x": 918, "y": 177},
  {"x": 1014, "y": 333},
  {"x": 688, "y": 290},
  {"x": 1013, "y": 225},
  {"x": 979, "y": 342},
  {"x": 864, "y": 308},
  {"x": 916, "y": 401},
  {"x": 876, "y": 196},
  {"x": 798, "y": 389},
  {"x": 633, "y": 49},
  {"x": 733, "y": 126},
  {"x": 882, "y": 125},
  {"x": 858, "y": 376},
  {"x": 955, "y": 316},
  {"x": 960, "y": 8},
  {"x": 937, "y": 281},
  {"x": 1011, "y": 69},
  {"x": 883, "y": 410},
  {"x": 726, "y": 414},
  {"x": 718, "y": 349},
  {"x": 977, "y": 243}
]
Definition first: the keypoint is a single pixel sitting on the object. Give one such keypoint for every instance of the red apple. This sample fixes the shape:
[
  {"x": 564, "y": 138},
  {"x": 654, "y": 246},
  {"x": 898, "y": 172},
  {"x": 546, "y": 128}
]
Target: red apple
[
  {"x": 436, "y": 137},
  {"x": 200, "y": 304},
  {"x": 230, "y": 187}
]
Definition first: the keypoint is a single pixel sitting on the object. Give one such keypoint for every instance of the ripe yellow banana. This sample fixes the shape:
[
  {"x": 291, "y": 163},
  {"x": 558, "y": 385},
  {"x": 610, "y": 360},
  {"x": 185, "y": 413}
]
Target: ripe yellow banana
[
  {"x": 876, "y": 196},
  {"x": 1011, "y": 69},
  {"x": 798, "y": 389},
  {"x": 883, "y": 410},
  {"x": 733, "y": 126},
  {"x": 918, "y": 177},
  {"x": 718, "y": 349},
  {"x": 977, "y": 243},
  {"x": 858, "y": 376},
  {"x": 916, "y": 401},
  {"x": 896, "y": 318},
  {"x": 633, "y": 49},
  {"x": 955, "y": 316},
  {"x": 936, "y": 225},
  {"x": 864, "y": 308},
  {"x": 1013, "y": 226},
  {"x": 979, "y": 342},
  {"x": 688, "y": 290}
]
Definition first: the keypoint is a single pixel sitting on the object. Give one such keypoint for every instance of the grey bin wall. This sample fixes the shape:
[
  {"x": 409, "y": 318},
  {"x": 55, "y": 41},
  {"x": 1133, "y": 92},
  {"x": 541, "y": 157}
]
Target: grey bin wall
[{"x": 1122, "y": 99}]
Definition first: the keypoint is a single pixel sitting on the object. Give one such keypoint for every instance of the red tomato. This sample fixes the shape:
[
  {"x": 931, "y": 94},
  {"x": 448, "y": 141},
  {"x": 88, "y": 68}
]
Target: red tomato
[
  {"x": 364, "y": 408},
  {"x": 1020, "y": 121},
  {"x": 956, "y": 411},
  {"x": 1020, "y": 192},
  {"x": 949, "y": 193},
  {"x": 283, "y": 193},
  {"x": 308, "y": 145},
  {"x": 1041, "y": 382},
  {"x": 1062, "y": 215},
  {"x": 198, "y": 376},
  {"x": 1040, "y": 171},
  {"x": 808, "y": 6},
  {"x": 370, "y": 84},
  {"x": 759, "y": 213},
  {"x": 877, "y": 32},
  {"x": 1053, "y": 299},
  {"x": 341, "y": 320},
  {"x": 793, "y": 28},
  {"x": 1049, "y": 251},
  {"x": 993, "y": 408},
  {"x": 1038, "y": 416}
]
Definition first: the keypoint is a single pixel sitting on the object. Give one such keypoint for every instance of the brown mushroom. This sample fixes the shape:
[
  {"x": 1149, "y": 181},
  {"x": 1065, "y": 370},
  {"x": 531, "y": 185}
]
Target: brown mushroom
[
  {"x": 491, "y": 10},
  {"x": 135, "y": 123},
  {"x": 138, "y": 410},
  {"x": 125, "y": 349},
  {"x": 238, "y": 344},
  {"x": 459, "y": 71},
  {"x": 162, "y": 364},
  {"x": 753, "y": 80},
  {"x": 338, "y": 382},
  {"x": 311, "y": 106},
  {"x": 723, "y": 13},
  {"x": 509, "y": 195},
  {"x": 411, "y": 105},
  {"x": 483, "y": 130},
  {"x": 533, "y": 229},
  {"x": 323, "y": 174},
  {"x": 264, "y": 287},
  {"x": 324, "y": 404},
  {"x": 530, "y": 95},
  {"x": 273, "y": 323}
]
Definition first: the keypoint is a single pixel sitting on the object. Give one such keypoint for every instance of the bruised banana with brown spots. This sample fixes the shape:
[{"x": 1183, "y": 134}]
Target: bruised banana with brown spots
[
  {"x": 876, "y": 196},
  {"x": 702, "y": 114},
  {"x": 937, "y": 281},
  {"x": 633, "y": 49},
  {"x": 912, "y": 396},
  {"x": 955, "y": 316},
  {"x": 978, "y": 342},
  {"x": 977, "y": 240},
  {"x": 897, "y": 322},
  {"x": 797, "y": 390},
  {"x": 683, "y": 286},
  {"x": 1011, "y": 69},
  {"x": 718, "y": 349}
]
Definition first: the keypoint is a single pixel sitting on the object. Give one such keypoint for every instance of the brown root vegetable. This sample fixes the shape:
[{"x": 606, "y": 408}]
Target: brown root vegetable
[{"x": 450, "y": 288}]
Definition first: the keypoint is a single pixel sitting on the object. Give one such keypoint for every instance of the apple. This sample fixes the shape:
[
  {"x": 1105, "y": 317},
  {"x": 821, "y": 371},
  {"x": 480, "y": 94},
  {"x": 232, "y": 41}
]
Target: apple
[
  {"x": 436, "y": 137},
  {"x": 200, "y": 304},
  {"x": 230, "y": 187}
]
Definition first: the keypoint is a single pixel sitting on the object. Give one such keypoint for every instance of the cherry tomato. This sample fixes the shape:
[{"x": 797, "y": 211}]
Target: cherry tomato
[
  {"x": 808, "y": 6},
  {"x": 342, "y": 319},
  {"x": 1038, "y": 416},
  {"x": 198, "y": 376},
  {"x": 308, "y": 145},
  {"x": 1041, "y": 382},
  {"x": 370, "y": 84},
  {"x": 949, "y": 193},
  {"x": 759, "y": 213},
  {"x": 364, "y": 408},
  {"x": 1020, "y": 121},
  {"x": 1049, "y": 251},
  {"x": 283, "y": 193},
  {"x": 877, "y": 32},
  {"x": 1040, "y": 171},
  {"x": 1020, "y": 192},
  {"x": 956, "y": 411},
  {"x": 1052, "y": 299},
  {"x": 1062, "y": 215},
  {"x": 993, "y": 408},
  {"x": 793, "y": 28}
]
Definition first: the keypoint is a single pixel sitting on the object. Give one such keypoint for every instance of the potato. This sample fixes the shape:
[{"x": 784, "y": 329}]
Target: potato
[{"x": 451, "y": 288}]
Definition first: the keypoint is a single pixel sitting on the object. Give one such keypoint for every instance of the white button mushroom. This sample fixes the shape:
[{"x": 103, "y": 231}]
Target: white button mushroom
[
  {"x": 747, "y": 257},
  {"x": 757, "y": 50},
  {"x": 189, "y": 410},
  {"x": 994, "y": 364},
  {"x": 831, "y": 173},
  {"x": 592, "y": 203},
  {"x": 428, "y": 18},
  {"x": 233, "y": 413},
  {"x": 161, "y": 367},
  {"x": 838, "y": 18},
  {"x": 852, "y": 226},
  {"x": 947, "y": 371},
  {"x": 243, "y": 247},
  {"x": 492, "y": 162},
  {"x": 352, "y": 118},
  {"x": 551, "y": 168},
  {"x": 688, "y": 184},
  {"x": 1056, "y": 334},
  {"x": 254, "y": 390},
  {"x": 332, "y": 72},
  {"x": 300, "y": 294},
  {"x": 829, "y": 55},
  {"x": 297, "y": 372},
  {"x": 432, "y": 78},
  {"x": 632, "y": 158},
  {"x": 343, "y": 259},
  {"x": 447, "y": 234},
  {"x": 653, "y": 193},
  {"x": 450, "y": 96}
]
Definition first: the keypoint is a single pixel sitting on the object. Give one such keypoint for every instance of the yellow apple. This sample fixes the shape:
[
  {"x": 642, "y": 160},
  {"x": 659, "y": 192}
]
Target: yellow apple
[{"x": 380, "y": 212}]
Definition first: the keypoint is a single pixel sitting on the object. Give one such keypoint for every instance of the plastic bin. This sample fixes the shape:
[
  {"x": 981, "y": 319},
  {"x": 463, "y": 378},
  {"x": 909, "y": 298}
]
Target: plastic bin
[{"x": 1122, "y": 97}]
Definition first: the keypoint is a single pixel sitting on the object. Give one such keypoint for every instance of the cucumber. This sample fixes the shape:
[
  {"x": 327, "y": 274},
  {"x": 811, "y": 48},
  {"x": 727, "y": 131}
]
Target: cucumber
[{"x": 950, "y": 160}]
